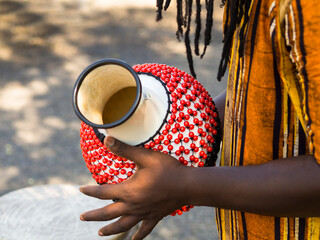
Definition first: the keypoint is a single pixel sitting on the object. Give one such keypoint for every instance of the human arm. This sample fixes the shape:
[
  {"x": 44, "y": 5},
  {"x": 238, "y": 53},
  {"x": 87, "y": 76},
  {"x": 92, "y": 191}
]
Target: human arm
[{"x": 162, "y": 185}]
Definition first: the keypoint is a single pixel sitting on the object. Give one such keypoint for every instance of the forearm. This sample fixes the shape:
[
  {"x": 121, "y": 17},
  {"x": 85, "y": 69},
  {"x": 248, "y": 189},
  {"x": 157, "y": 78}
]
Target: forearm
[{"x": 284, "y": 187}]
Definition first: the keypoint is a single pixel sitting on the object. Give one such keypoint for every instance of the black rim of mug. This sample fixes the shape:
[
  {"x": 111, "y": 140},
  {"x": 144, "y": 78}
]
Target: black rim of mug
[{"x": 80, "y": 80}]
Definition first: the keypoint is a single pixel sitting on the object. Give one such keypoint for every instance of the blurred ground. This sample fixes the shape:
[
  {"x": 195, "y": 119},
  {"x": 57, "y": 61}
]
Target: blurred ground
[{"x": 44, "y": 45}]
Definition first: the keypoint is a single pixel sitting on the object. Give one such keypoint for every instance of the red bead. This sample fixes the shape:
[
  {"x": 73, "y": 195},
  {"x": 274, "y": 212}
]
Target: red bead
[
  {"x": 132, "y": 165},
  {"x": 187, "y": 151},
  {"x": 201, "y": 164},
  {"x": 165, "y": 132},
  {"x": 181, "y": 148}
]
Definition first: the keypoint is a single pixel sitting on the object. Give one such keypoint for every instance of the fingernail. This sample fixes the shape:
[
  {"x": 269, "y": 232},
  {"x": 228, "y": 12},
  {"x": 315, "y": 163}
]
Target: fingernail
[
  {"x": 109, "y": 141},
  {"x": 81, "y": 189},
  {"x": 81, "y": 218},
  {"x": 100, "y": 233}
]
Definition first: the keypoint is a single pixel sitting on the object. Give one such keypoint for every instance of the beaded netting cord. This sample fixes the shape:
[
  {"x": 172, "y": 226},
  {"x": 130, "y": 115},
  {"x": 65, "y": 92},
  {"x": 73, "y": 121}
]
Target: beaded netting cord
[{"x": 190, "y": 133}]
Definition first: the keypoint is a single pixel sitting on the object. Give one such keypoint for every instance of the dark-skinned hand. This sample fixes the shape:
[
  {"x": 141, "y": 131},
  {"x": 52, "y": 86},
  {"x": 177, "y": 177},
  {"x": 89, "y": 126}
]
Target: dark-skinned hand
[{"x": 150, "y": 194}]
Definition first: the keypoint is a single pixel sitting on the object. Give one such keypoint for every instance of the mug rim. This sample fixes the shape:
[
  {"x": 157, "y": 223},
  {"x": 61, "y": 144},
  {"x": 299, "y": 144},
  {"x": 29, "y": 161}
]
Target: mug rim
[{"x": 80, "y": 80}]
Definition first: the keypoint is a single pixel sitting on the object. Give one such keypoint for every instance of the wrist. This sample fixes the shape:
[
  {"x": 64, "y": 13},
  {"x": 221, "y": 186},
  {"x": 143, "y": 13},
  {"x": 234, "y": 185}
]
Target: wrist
[{"x": 188, "y": 186}]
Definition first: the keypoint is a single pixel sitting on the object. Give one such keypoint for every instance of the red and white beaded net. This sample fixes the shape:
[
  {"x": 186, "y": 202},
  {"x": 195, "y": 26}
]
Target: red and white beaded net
[{"x": 190, "y": 132}]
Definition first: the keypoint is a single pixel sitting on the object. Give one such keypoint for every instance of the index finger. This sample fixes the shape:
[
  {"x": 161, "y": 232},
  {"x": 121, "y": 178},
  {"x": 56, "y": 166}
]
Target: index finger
[
  {"x": 139, "y": 155},
  {"x": 108, "y": 191}
]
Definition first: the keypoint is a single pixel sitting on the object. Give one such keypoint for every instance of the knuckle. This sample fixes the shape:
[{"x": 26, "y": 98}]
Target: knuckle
[
  {"x": 99, "y": 192},
  {"x": 121, "y": 227},
  {"x": 105, "y": 216},
  {"x": 119, "y": 148}
]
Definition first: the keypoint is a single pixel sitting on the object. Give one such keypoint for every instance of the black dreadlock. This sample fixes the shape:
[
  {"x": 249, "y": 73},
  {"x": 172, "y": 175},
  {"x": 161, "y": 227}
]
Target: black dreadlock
[{"x": 236, "y": 10}]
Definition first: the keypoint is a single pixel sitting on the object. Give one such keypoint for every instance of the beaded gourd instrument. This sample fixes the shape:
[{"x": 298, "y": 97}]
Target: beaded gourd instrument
[{"x": 190, "y": 131}]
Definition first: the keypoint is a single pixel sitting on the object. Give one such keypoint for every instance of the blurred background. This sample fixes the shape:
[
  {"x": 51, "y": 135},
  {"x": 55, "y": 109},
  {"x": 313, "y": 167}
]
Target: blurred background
[{"x": 44, "y": 46}]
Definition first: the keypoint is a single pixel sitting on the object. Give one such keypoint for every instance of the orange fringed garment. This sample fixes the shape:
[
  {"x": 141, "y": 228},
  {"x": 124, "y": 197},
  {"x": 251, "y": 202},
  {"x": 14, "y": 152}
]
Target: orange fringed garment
[{"x": 272, "y": 106}]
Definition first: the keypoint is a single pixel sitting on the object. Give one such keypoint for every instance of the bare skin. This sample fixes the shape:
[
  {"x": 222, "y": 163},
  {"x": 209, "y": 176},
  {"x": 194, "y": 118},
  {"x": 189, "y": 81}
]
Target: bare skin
[{"x": 284, "y": 187}]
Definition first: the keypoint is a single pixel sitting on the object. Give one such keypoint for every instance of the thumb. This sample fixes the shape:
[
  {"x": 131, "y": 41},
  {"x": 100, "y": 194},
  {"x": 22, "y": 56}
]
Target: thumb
[{"x": 139, "y": 155}]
